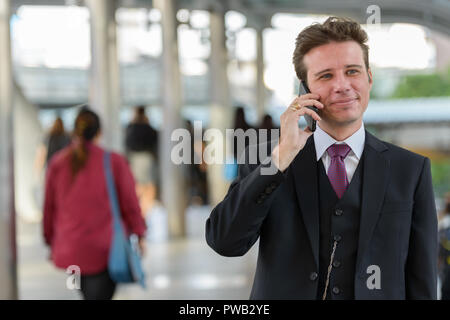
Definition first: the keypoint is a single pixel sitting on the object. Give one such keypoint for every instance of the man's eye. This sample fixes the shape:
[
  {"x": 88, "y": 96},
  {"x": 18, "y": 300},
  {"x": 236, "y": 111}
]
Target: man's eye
[
  {"x": 326, "y": 76},
  {"x": 352, "y": 71}
]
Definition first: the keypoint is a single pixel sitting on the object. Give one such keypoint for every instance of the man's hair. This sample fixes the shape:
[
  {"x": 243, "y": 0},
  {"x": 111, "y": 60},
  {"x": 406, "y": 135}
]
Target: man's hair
[{"x": 334, "y": 29}]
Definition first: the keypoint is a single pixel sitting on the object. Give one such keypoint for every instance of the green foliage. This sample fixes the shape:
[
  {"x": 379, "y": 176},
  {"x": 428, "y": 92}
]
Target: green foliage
[
  {"x": 440, "y": 172},
  {"x": 423, "y": 85}
]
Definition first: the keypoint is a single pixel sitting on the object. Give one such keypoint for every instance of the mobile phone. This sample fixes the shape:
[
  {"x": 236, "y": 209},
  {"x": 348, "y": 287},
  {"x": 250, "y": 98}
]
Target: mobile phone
[{"x": 311, "y": 123}]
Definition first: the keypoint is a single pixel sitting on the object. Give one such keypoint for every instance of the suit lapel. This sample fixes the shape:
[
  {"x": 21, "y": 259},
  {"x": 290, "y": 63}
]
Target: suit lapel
[
  {"x": 375, "y": 178},
  {"x": 304, "y": 171}
]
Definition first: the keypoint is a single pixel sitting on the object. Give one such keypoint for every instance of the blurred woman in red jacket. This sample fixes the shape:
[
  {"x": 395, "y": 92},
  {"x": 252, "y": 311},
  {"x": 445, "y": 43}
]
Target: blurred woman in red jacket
[{"x": 77, "y": 215}]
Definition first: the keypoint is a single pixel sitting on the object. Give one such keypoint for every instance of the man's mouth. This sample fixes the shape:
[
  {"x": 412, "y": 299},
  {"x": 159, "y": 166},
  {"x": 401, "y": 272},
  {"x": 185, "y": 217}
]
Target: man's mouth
[{"x": 344, "y": 102}]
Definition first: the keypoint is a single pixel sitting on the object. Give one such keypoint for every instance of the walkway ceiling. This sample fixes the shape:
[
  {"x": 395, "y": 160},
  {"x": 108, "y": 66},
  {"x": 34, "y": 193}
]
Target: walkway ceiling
[{"x": 434, "y": 14}]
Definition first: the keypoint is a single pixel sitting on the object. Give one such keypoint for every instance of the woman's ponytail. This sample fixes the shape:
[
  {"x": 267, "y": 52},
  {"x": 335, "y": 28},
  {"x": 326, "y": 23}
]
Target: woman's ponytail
[{"x": 86, "y": 128}]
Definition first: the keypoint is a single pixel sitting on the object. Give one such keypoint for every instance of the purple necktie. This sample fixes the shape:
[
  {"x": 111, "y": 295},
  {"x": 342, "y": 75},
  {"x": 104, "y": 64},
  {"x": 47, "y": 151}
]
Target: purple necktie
[{"x": 336, "y": 172}]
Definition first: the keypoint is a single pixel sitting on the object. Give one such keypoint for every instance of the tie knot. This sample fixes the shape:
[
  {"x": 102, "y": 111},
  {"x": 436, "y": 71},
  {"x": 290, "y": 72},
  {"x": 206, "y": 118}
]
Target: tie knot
[{"x": 338, "y": 150}]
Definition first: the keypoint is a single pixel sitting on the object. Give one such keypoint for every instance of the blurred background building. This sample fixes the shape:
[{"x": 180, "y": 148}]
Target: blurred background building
[{"x": 187, "y": 61}]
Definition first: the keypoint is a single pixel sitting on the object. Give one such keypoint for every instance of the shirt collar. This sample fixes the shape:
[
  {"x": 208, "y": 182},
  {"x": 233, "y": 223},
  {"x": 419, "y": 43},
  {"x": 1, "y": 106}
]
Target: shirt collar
[{"x": 323, "y": 140}]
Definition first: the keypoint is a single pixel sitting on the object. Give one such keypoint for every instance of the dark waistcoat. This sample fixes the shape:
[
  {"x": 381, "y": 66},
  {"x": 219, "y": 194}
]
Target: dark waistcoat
[{"x": 339, "y": 220}]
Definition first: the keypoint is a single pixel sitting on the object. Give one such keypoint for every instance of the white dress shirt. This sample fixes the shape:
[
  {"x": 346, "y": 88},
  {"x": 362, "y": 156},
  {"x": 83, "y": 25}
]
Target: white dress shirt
[{"x": 323, "y": 140}]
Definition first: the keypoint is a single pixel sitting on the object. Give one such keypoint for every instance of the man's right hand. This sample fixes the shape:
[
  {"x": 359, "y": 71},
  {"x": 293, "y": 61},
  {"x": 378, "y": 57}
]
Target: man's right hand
[{"x": 293, "y": 138}]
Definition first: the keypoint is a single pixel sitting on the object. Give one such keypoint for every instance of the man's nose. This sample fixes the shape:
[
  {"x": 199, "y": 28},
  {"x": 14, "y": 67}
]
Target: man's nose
[{"x": 341, "y": 84}]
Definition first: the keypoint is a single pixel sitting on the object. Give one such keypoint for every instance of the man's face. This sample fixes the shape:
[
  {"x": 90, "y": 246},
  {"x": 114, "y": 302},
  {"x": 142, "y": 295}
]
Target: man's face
[{"x": 336, "y": 71}]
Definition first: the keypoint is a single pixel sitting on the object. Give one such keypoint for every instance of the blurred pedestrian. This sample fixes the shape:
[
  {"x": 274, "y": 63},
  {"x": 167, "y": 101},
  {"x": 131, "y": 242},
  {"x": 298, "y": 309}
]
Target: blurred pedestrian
[
  {"x": 266, "y": 124},
  {"x": 77, "y": 222},
  {"x": 56, "y": 139},
  {"x": 141, "y": 143},
  {"x": 240, "y": 141},
  {"x": 444, "y": 249},
  {"x": 198, "y": 184},
  {"x": 240, "y": 123}
]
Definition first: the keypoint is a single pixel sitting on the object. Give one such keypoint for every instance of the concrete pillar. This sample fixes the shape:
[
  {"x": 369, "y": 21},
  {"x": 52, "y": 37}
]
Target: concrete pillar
[
  {"x": 260, "y": 87},
  {"x": 172, "y": 182},
  {"x": 8, "y": 260},
  {"x": 104, "y": 95},
  {"x": 26, "y": 144},
  {"x": 442, "y": 43},
  {"x": 220, "y": 114}
]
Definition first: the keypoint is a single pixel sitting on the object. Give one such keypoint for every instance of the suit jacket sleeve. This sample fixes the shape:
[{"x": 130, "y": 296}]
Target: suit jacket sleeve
[
  {"x": 234, "y": 224},
  {"x": 421, "y": 264}
]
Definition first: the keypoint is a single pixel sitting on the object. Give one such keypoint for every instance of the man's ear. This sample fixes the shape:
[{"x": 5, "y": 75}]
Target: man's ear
[{"x": 369, "y": 73}]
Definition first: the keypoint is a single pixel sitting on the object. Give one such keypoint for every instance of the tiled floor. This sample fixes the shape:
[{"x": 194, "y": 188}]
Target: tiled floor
[{"x": 176, "y": 269}]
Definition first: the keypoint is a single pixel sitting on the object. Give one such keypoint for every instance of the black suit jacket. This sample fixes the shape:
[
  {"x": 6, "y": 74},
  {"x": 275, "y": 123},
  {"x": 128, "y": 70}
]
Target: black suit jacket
[{"x": 397, "y": 232}]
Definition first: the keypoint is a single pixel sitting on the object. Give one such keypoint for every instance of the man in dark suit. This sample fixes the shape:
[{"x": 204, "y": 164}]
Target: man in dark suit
[{"x": 345, "y": 215}]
